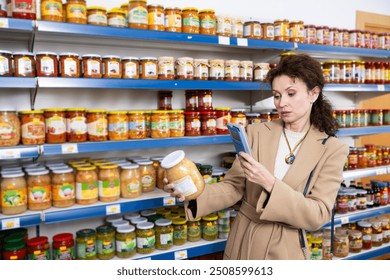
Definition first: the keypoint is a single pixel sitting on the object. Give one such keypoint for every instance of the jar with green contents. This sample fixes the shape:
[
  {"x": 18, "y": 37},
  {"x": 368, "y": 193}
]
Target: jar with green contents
[
  {"x": 125, "y": 241},
  {"x": 210, "y": 227},
  {"x": 146, "y": 238},
  {"x": 164, "y": 234},
  {"x": 86, "y": 244},
  {"x": 105, "y": 242},
  {"x": 193, "y": 232},
  {"x": 179, "y": 231}
]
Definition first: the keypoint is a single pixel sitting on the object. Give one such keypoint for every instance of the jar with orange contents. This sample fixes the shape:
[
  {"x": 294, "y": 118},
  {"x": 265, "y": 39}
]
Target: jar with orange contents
[
  {"x": 112, "y": 66},
  {"x": 32, "y": 127},
  {"x": 223, "y": 118},
  {"x": 176, "y": 123},
  {"x": 69, "y": 65},
  {"x": 109, "y": 183},
  {"x": 5, "y": 63},
  {"x": 97, "y": 125},
  {"x": 76, "y": 125},
  {"x": 190, "y": 20},
  {"x": 371, "y": 155},
  {"x": 24, "y": 64},
  {"x": 296, "y": 31},
  {"x": 136, "y": 125},
  {"x": 55, "y": 123},
  {"x": 47, "y": 64},
  {"x": 265, "y": 117},
  {"x": 268, "y": 30},
  {"x": 76, "y": 11},
  {"x": 362, "y": 157},
  {"x": 377, "y": 232},
  {"x": 117, "y": 125},
  {"x": 238, "y": 116},
  {"x": 97, "y": 15},
  {"x": 156, "y": 17},
  {"x": 39, "y": 190},
  {"x": 205, "y": 100},
  {"x": 148, "y": 68},
  {"x": 138, "y": 14},
  {"x": 148, "y": 176},
  {"x": 86, "y": 185},
  {"x": 253, "y": 118},
  {"x": 208, "y": 120},
  {"x": 130, "y": 67},
  {"x": 172, "y": 19},
  {"x": 160, "y": 124},
  {"x": 201, "y": 69},
  {"x": 207, "y": 22},
  {"x": 64, "y": 191},
  {"x": 352, "y": 158},
  {"x": 323, "y": 35},
  {"x": 252, "y": 29},
  {"x": 192, "y": 123},
  {"x": 185, "y": 68},
  {"x": 281, "y": 30},
  {"x": 166, "y": 68},
  {"x": 92, "y": 66},
  {"x": 116, "y": 17}
]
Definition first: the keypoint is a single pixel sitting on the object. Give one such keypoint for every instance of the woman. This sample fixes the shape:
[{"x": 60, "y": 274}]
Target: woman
[{"x": 275, "y": 212}]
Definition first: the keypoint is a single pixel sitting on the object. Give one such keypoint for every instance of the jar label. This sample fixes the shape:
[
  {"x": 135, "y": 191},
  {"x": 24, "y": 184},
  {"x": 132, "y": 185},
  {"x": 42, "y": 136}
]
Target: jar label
[
  {"x": 191, "y": 21},
  {"x": 4, "y": 65},
  {"x": 156, "y": 18},
  {"x": 386, "y": 234},
  {"x": 118, "y": 128},
  {"x": 47, "y": 65},
  {"x": 63, "y": 191},
  {"x": 224, "y": 26},
  {"x": 105, "y": 246},
  {"x": 51, "y": 8},
  {"x": 7, "y": 131},
  {"x": 131, "y": 69},
  {"x": 355, "y": 244},
  {"x": 87, "y": 190},
  {"x": 185, "y": 185},
  {"x": 39, "y": 194},
  {"x": 134, "y": 186},
  {"x": 119, "y": 21},
  {"x": 193, "y": 232},
  {"x": 33, "y": 130},
  {"x": 98, "y": 128},
  {"x": 260, "y": 74},
  {"x": 177, "y": 125},
  {"x": 63, "y": 253},
  {"x": 86, "y": 249},
  {"x": 246, "y": 73},
  {"x": 13, "y": 198},
  {"x": 172, "y": 20},
  {"x": 25, "y": 66},
  {"x": 23, "y": 6},
  {"x": 147, "y": 181},
  {"x": 232, "y": 71},
  {"x": 377, "y": 237},
  {"x": 166, "y": 69},
  {"x": 162, "y": 126},
  {"x": 39, "y": 255},
  {"x": 137, "y": 125},
  {"x": 185, "y": 70},
  {"x": 76, "y": 11},
  {"x": 241, "y": 121},
  {"x": 109, "y": 188},
  {"x": 146, "y": 242},
  {"x": 138, "y": 15},
  {"x": 55, "y": 125},
  {"x": 217, "y": 71},
  {"x": 150, "y": 69},
  {"x": 180, "y": 234},
  {"x": 126, "y": 246},
  {"x": 98, "y": 18},
  {"x": 93, "y": 67},
  {"x": 166, "y": 238},
  {"x": 316, "y": 254},
  {"x": 70, "y": 67},
  {"x": 76, "y": 125},
  {"x": 113, "y": 68},
  {"x": 207, "y": 23}
]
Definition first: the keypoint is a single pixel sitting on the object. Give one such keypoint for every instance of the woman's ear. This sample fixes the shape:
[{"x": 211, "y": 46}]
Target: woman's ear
[{"x": 314, "y": 93}]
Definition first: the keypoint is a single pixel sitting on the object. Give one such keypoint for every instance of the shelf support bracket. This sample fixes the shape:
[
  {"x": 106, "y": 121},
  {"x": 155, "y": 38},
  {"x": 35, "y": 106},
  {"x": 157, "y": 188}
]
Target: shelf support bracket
[
  {"x": 33, "y": 94},
  {"x": 31, "y": 42}
]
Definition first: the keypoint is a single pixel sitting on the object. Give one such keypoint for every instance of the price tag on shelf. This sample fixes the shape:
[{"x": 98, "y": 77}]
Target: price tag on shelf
[
  {"x": 181, "y": 255},
  {"x": 69, "y": 148},
  {"x": 169, "y": 201},
  {"x": 10, "y": 223},
  {"x": 242, "y": 42},
  {"x": 113, "y": 209},
  {"x": 9, "y": 153},
  {"x": 381, "y": 87},
  {"x": 381, "y": 171},
  {"x": 223, "y": 40},
  {"x": 4, "y": 22},
  {"x": 344, "y": 220}
]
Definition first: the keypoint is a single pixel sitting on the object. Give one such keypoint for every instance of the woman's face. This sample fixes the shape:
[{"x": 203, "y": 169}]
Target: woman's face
[{"x": 293, "y": 100}]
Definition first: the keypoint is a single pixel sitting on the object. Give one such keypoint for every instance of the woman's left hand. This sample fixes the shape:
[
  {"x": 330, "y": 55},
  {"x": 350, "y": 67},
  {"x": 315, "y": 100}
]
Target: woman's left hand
[{"x": 255, "y": 172}]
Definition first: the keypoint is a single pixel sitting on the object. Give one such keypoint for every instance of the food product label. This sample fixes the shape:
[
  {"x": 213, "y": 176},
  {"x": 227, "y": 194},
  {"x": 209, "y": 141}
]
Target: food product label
[
  {"x": 386, "y": 234},
  {"x": 55, "y": 125},
  {"x": 137, "y": 125},
  {"x": 98, "y": 128},
  {"x": 241, "y": 121},
  {"x": 269, "y": 32},
  {"x": 207, "y": 179},
  {"x": 7, "y": 132},
  {"x": 191, "y": 21},
  {"x": 177, "y": 125},
  {"x": 355, "y": 244},
  {"x": 377, "y": 237},
  {"x": 224, "y": 26},
  {"x": 47, "y": 65},
  {"x": 247, "y": 31},
  {"x": 63, "y": 191},
  {"x": 210, "y": 229},
  {"x": 126, "y": 246},
  {"x": 195, "y": 124},
  {"x": 34, "y": 129},
  {"x": 180, "y": 234},
  {"x": 232, "y": 71},
  {"x": 76, "y": 11},
  {"x": 24, "y": 66},
  {"x": 166, "y": 238},
  {"x": 246, "y": 72},
  {"x": 207, "y": 23},
  {"x": 112, "y": 68},
  {"x": 138, "y": 15},
  {"x": 156, "y": 18},
  {"x": 39, "y": 194},
  {"x": 87, "y": 190},
  {"x": 51, "y": 8},
  {"x": 316, "y": 254},
  {"x": 117, "y": 21},
  {"x": 63, "y": 253},
  {"x": 4, "y": 67},
  {"x": 39, "y": 255},
  {"x": 185, "y": 185},
  {"x": 222, "y": 122},
  {"x": 131, "y": 69},
  {"x": 109, "y": 188},
  {"x": 216, "y": 71},
  {"x": 172, "y": 20},
  {"x": 93, "y": 67},
  {"x": 150, "y": 69},
  {"x": 86, "y": 249},
  {"x": 257, "y": 30},
  {"x": 201, "y": 71},
  {"x": 134, "y": 186},
  {"x": 70, "y": 67},
  {"x": 162, "y": 125},
  {"x": 211, "y": 123},
  {"x": 166, "y": 68},
  {"x": 23, "y": 6},
  {"x": 206, "y": 101},
  {"x": 119, "y": 127},
  {"x": 193, "y": 232},
  {"x": 13, "y": 198},
  {"x": 260, "y": 74},
  {"x": 105, "y": 246},
  {"x": 147, "y": 181},
  {"x": 146, "y": 242},
  {"x": 98, "y": 18},
  {"x": 76, "y": 125}
]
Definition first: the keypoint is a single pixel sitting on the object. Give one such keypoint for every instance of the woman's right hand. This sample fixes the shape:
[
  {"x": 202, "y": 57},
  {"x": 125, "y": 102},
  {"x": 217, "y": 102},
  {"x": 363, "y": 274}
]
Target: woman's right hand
[{"x": 170, "y": 188}]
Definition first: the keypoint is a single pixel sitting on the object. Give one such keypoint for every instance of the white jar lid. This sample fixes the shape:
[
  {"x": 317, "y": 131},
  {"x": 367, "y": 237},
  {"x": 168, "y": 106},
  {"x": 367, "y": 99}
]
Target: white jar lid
[
  {"x": 132, "y": 215},
  {"x": 128, "y": 166},
  {"x": 62, "y": 170},
  {"x": 114, "y": 218},
  {"x": 12, "y": 174},
  {"x": 147, "y": 225},
  {"x": 172, "y": 159},
  {"x": 136, "y": 221},
  {"x": 120, "y": 223},
  {"x": 38, "y": 172},
  {"x": 125, "y": 229},
  {"x": 163, "y": 222}
]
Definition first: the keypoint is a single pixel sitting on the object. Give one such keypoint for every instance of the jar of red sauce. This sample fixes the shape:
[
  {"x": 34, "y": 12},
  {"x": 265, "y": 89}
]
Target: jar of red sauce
[
  {"x": 208, "y": 120},
  {"x": 223, "y": 118},
  {"x": 238, "y": 116},
  {"x": 76, "y": 125},
  {"x": 38, "y": 248},
  {"x": 192, "y": 123},
  {"x": 24, "y": 9},
  {"x": 14, "y": 251},
  {"x": 63, "y": 246},
  {"x": 165, "y": 100},
  {"x": 205, "y": 100},
  {"x": 191, "y": 100}
]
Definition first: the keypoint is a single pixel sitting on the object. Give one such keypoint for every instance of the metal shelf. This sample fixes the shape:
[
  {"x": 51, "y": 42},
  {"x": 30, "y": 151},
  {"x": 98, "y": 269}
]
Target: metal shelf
[
  {"x": 357, "y": 87},
  {"x": 368, "y": 254},
  {"x": 361, "y": 131},
  {"x": 366, "y": 172},
  {"x": 16, "y": 152},
  {"x": 26, "y": 219},
  {"x": 16, "y": 82}
]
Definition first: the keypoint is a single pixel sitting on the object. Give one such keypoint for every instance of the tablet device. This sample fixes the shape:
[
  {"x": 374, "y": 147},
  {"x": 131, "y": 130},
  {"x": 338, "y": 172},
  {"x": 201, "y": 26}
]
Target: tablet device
[{"x": 239, "y": 138}]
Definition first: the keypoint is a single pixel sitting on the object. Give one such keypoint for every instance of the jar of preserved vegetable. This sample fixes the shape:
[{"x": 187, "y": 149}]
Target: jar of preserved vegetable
[
  {"x": 217, "y": 69},
  {"x": 179, "y": 231},
  {"x": 116, "y": 17},
  {"x": 386, "y": 113},
  {"x": 194, "y": 230},
  {"x": 97, "y": 15},
  {"x": 130, "y": 67},
  {"x": 365, "y": 228},
  {"x": 63, "y": 187},
  {"x": 112, "y": 67},
  {"x": 22, "y": 9},
  {"x": 109, "y": 183},
  {"x": 38, "y": 248},
  {"x": 316, "y": 247},
  {"x": 184, "y": 174},
  {"x": 164, "y": 234},
  {"x": 5, "y": 63},
  {"x": 185, "y": 68},
  {"x": 86, "y": 185},
  {"x": 146, "y": 238},
  {"x": 385, "y": 229},
  {"x": 352, "y": 158},
  {"x": 205, "y": 100},
  {"x": 223, "y": 118},
  {"x": 238, "y": 116},
  {"x": 201, "y": 69},
  {"x": 76, "y": 11},
  {"x": 326, "y": 247},
  {"x": 232, "y": 70},
  {"x": 208, "y": 123},
  {"x": 206, "y": 171},
  {"x": 176, "y": 123},
  {"x": 86, "y": 244},
  {"x": 130, "y": 181},
  {"x": 252, "y": 29},
  {"x": 190, "y": 20},
  {"x": 63, "y": 247},
  {"x": 13, "y": 193},
  {"x": 148, "y": 176},
  {"x": 148, "y": 68},
  {"x": 138, "y": 14},
  {"x": 39, "y": 190},
  {"x": 24, "y": 64},
  {"x": 105, "y": 242},
  {"x": 92, "y": 66},
  {"x": 69, "y": 65},
  {"x": 210, "y": 227},
  {"x": 281, "y": 30},
  {"x": 362, "y": 157},
  {"x": 296, "y": 30},
  {"x": 377, "y": 232},
  {"x": 97, "y": 125},
  {"x": 191, "y": 100},
  {"x": 172, "y": 19},
  {"x": 47, "y": 64},
  {"x": 376, "y": 117},
  {"x": 166, "y": 68},
  {"x": 136, "y": 125},
  {"x": 342, "y": 202},
  {"x": 192, "y": 123},
  {"x": 55, "y": 122},
  {"x": 76, "y": 125},
  {"x": 117, "y": 125},
  {"x": 125, "y": 241},
  {"x": 361, "y": 203},
  {"x": 160, "y": 124},
  {"x": 10, "y": 128},
  {"x": 156, "y": 17},
  {"x": 207, "y": 22}
]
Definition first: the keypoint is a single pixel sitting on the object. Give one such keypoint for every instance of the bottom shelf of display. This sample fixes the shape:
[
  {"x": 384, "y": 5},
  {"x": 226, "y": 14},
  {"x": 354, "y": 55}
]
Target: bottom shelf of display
[
  {"x": 368, "y": 254},
  {"x": 185, "y": 251}
]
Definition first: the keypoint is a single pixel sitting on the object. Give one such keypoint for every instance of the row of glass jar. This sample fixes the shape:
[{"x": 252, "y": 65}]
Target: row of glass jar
[
  {"x": 362, "y": 117},
  {"x": 356, "y": 72},
  {"x": 349, "y": 238},
  {"x": 368, "y": 156},
  {"x": 49, "y": 64}
]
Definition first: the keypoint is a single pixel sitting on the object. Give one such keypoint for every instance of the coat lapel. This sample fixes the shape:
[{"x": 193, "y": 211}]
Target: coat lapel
[{"x": 269, "y": 148}]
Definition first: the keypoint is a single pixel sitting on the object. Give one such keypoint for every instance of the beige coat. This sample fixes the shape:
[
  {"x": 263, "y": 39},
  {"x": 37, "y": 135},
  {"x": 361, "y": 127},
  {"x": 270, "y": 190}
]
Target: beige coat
[{"x": 270, "y": 230}]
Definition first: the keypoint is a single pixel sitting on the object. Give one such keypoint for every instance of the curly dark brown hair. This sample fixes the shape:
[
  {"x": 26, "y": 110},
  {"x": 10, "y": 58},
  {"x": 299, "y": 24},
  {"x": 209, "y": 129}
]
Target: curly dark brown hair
[{"x": 308, "y": 70}]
